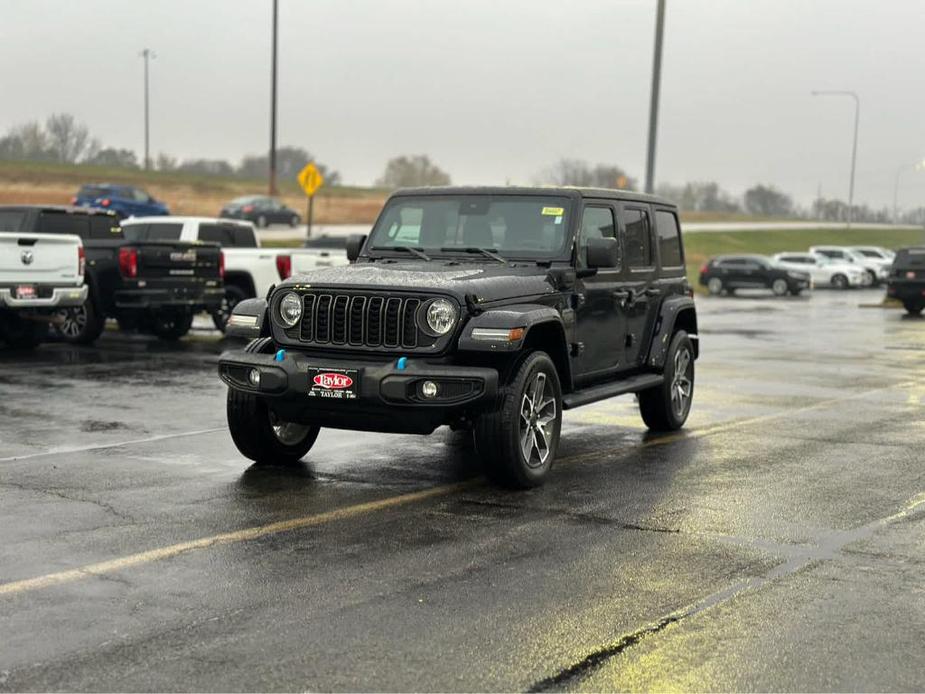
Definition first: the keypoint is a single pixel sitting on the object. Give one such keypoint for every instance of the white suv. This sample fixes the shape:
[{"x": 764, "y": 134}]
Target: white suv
[
  {"x": 877, "y": 270},
  {"x": 824, "y": 271}
]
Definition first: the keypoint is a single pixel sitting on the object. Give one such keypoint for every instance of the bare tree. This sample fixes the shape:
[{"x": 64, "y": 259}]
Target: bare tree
[
  {"x": 767, "y": 201},
  {"x": 25, "y": 141},
  {"x": 417, "y": 170},
  {"x": 576, "y": 172},
  {"x": 67, "y": 138}
]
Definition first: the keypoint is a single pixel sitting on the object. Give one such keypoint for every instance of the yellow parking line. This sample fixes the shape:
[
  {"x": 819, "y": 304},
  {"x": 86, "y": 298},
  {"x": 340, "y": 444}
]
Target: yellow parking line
[{"x": 256, "y": 532}]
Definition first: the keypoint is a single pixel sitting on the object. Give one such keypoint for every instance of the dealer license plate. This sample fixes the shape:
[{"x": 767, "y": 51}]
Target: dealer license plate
[
  {"x": 338, "y": 384},
  {"x": 25, "y": 291}
]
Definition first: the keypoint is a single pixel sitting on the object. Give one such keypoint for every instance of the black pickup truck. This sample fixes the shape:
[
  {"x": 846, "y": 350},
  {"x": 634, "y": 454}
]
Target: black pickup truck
[
  {"x": 153, "y": 286},
  {"x": 489, "y": 309}
]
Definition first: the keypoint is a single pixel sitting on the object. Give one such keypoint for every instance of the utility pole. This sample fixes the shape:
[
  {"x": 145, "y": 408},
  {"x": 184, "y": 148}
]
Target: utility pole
[
  {"x": 147, "y": 54},
  {"x": 273, "y": 100},
  {"x": 854, "y": 146},
  {"x": 653, "y": 103}
]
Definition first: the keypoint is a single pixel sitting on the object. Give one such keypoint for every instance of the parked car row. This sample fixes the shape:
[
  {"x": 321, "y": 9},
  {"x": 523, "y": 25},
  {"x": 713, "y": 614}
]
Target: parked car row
[
  {"x": 130, "y": 201},
  {"x": 74, "y": 267},
  {"x": 840, "y": 267}
]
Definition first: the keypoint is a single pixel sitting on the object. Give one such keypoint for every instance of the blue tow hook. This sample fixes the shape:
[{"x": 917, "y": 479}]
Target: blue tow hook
[
  {"x": 402, "y": 363},
  {"x": 280, "y": 355}
]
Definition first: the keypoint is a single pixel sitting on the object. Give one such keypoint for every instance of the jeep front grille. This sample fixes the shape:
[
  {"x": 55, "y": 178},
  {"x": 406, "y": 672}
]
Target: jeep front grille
[{"x": 359, "y": 320}]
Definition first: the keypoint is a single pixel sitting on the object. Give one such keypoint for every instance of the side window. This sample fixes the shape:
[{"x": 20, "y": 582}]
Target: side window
[
  {"x": 62, "y": 223},
  {"x": 104, "y": 226},
  {"x": 669, "y": 238},
  {"x": 164, "y": 232},
  {"x": 243, "y": 237},
  {"x": 596, "y": 223},
  {"x": 140, "y": 195},
  {"x": 638, "y": 246}
]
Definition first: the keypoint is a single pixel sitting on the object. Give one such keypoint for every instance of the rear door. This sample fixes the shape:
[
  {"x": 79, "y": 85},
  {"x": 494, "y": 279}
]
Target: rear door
[{"x": 638, "y": 279}]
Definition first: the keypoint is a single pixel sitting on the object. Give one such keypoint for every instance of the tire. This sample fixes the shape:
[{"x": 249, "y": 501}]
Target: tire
[
  {"x": 251, "y": 424},
  {"x": 515, "y": 423},
  {"x": 780, "y": 287},
  {"x": 666, "y": 407},
  {"x": 81, "y": 325},
  {"x": 839, "y": 281},
  {"x": 294, "y": 220},
  {"x": 913, "y": 309},
  {"x": 233, "y": 296},
  {"x": 19, "y": 333},
  {"x": 715, "y": 286},
  {"x": 868, "y": 279},
  {"x": 262, "y": 222},
  {"x": 171, "y": 325},
  {"x": 874, "y": 280}
]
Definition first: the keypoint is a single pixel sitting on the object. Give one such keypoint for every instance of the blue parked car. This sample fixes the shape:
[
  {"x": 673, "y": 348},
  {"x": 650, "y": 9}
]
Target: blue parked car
[{"x": 125, "y": 201}]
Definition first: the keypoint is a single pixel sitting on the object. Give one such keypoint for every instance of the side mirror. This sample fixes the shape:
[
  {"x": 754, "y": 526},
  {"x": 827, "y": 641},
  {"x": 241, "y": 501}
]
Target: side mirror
[
  {"x": 603, "y": 253},
  {"x": 354, "y": 246}
]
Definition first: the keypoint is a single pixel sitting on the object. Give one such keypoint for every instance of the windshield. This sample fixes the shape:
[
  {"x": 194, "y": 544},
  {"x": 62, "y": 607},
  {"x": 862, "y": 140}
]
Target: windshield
[{"x": 513, "y": 226}]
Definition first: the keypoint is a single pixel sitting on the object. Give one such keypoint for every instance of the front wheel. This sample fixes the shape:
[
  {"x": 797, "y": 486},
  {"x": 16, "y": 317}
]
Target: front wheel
[
  {"x": 872, "y": 279},
  {"x": 779, "y": 287},
  {"x": 262, "y": 222},
  {"x": 666, "y": 407},
  {"x": 262, "y": 436},
  {"x": 294, "y": 220},
  {"x": 840, "y": 282},
  {"x": 715, "y": 286},
  {"x": 517, "y": 440}
]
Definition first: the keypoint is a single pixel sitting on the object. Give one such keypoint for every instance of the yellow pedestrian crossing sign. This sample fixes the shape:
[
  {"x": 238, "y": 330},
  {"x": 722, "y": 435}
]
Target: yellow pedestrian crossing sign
[{"x": 310, "y": 179}]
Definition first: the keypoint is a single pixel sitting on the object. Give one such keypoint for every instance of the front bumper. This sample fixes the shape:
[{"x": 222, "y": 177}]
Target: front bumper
[
  {"x": 388, "y": 398},
  {"x": 60, "y": 297},
  {"x": 195, "y": 299}
]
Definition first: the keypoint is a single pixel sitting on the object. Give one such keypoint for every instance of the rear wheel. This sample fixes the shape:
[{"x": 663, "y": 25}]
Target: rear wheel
[
  {"x": 19, "y": 333},
  {"x": 294, "y": 220},
  {"x": 233, "y": 296},
  {"x": 715, "y": 286},
  {"x": 80, "y": 324},
  {"x": 171, "y": 325},
  {"x": 666, "y": 407},
  {"x": 872, "y": 279},
  {"x": 262, "y": 222},
  {"x": 517, "y": 440},
  {"x": 840, "y": 282},
  {"x": 912, "y": 308},
  {"x": 779, "y": 287}
]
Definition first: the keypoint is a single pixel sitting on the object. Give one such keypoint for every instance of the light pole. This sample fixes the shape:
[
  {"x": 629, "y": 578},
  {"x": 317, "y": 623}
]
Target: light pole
[
  {"x": 854, "y": 146},
  {"x": 148, "y": 55},
  {"x": 273, "y": 101},
  {"x": 918, "y": 166},
  {"x": 653, "y": 102}
]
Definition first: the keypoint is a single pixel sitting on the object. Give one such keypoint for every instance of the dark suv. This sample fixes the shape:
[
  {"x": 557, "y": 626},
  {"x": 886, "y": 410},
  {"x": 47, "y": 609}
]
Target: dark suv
[
  {"x": 490, "y": 309},
  {"x": 907, "y": 279},
  {"x": 727, "y": 273}
]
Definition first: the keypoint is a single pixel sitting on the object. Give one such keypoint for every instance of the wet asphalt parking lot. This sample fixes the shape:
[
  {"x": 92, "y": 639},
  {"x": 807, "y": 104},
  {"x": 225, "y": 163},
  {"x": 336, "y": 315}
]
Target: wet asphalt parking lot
[{"x": 778, "y": 542}]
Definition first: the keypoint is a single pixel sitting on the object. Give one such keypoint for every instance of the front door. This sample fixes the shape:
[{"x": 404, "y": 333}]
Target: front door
[{"x": 599, "y": 322}]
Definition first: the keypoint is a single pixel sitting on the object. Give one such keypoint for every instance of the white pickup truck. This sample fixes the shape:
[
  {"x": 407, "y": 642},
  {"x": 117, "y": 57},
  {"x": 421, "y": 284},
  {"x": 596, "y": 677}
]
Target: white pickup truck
[
  {"x": 39, "y": 275},
  {"x": 250, "y": 270}
]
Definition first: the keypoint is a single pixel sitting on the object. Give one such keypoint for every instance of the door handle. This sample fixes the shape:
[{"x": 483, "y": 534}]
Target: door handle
[
  {"x": 651, "y": 291},
  {"x": 623, "y": 297}
]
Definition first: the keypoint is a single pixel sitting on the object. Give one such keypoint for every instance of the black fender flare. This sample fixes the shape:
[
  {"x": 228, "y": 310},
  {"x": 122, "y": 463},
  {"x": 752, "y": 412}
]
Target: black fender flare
[
  {"x": 675, "y": 312},
  {"x": 253, "y": 320}
]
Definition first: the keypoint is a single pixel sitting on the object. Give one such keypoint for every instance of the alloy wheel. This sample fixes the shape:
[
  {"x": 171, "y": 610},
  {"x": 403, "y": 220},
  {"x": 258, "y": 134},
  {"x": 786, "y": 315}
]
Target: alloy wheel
[
  {"x": 288, "y": 433},
  {"x": 537, "y": 412},
  {"x": 73, "y": 321},
  {"x": 681, "y": 383}
]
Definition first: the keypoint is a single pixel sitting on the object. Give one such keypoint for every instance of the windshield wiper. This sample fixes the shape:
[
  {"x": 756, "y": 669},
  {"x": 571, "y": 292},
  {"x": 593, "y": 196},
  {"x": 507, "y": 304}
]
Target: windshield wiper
[
  {"x": 407, "y": 249},
  {"x": 474, "y": 249}
]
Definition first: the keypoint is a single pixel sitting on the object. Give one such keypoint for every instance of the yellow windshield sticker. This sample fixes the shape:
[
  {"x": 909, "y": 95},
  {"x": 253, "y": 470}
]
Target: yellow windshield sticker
[{"x": 553, "y": 211}]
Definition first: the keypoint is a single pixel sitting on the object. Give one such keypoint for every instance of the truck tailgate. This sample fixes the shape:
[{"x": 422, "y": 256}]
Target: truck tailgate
[
  {"x": 177, "y": 260},
  {"x": 27, "y": 258}
]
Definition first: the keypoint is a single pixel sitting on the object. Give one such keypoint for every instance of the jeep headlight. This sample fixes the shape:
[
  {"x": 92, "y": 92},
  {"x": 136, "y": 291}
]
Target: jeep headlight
[
  {"x": 440, "y": 317},
  {"x": 290, "y": 309}
]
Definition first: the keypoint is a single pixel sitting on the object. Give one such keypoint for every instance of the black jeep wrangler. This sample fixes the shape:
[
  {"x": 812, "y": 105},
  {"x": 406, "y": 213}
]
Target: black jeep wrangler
[
  {"x": 491, "y": 309},
  {"x": 907, "y": 279}
]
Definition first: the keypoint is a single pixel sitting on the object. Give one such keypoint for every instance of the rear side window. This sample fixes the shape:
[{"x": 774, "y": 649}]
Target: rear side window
[
  {"x": 93, "y": 192},
  {"x": 638, "y": 246},
  {"x": 669, "y": 238},
  {"x": 243, "y": 237},
  {"x": 104, "y": 226},
  {"x": 163, "y": 232},
  {"x": 11, "y": 220},
  {"x": 63, "y": 223}
]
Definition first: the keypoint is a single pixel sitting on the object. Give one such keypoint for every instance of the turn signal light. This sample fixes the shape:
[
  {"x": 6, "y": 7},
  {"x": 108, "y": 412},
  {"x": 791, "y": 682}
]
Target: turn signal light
[
  {"x": 128, "y": 262},
  {"x": 81, "y": 260},
  {"x": 284, "y": 265}
]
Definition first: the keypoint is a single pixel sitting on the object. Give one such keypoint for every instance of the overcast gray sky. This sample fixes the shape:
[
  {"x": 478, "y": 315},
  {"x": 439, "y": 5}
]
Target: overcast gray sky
[{"x": 493, "y": 90}]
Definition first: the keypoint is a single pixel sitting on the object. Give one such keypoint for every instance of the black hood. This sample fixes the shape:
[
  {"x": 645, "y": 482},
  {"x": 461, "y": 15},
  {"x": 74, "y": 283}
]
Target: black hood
[{"x": 482, "y": 281}]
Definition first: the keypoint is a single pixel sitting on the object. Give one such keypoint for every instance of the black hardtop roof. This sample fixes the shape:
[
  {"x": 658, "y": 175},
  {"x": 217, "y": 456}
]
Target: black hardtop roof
[
  {"x": 68, "y": 209},
  {"x": 752, "y": 256},
  {"x": 568, "y": 191}
]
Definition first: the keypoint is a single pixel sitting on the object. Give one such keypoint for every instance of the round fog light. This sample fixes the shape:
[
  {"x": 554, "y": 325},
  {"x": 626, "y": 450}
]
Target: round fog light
[
  {"x": 429, "y": 389},
  {"x": 254, "y": 377}
]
